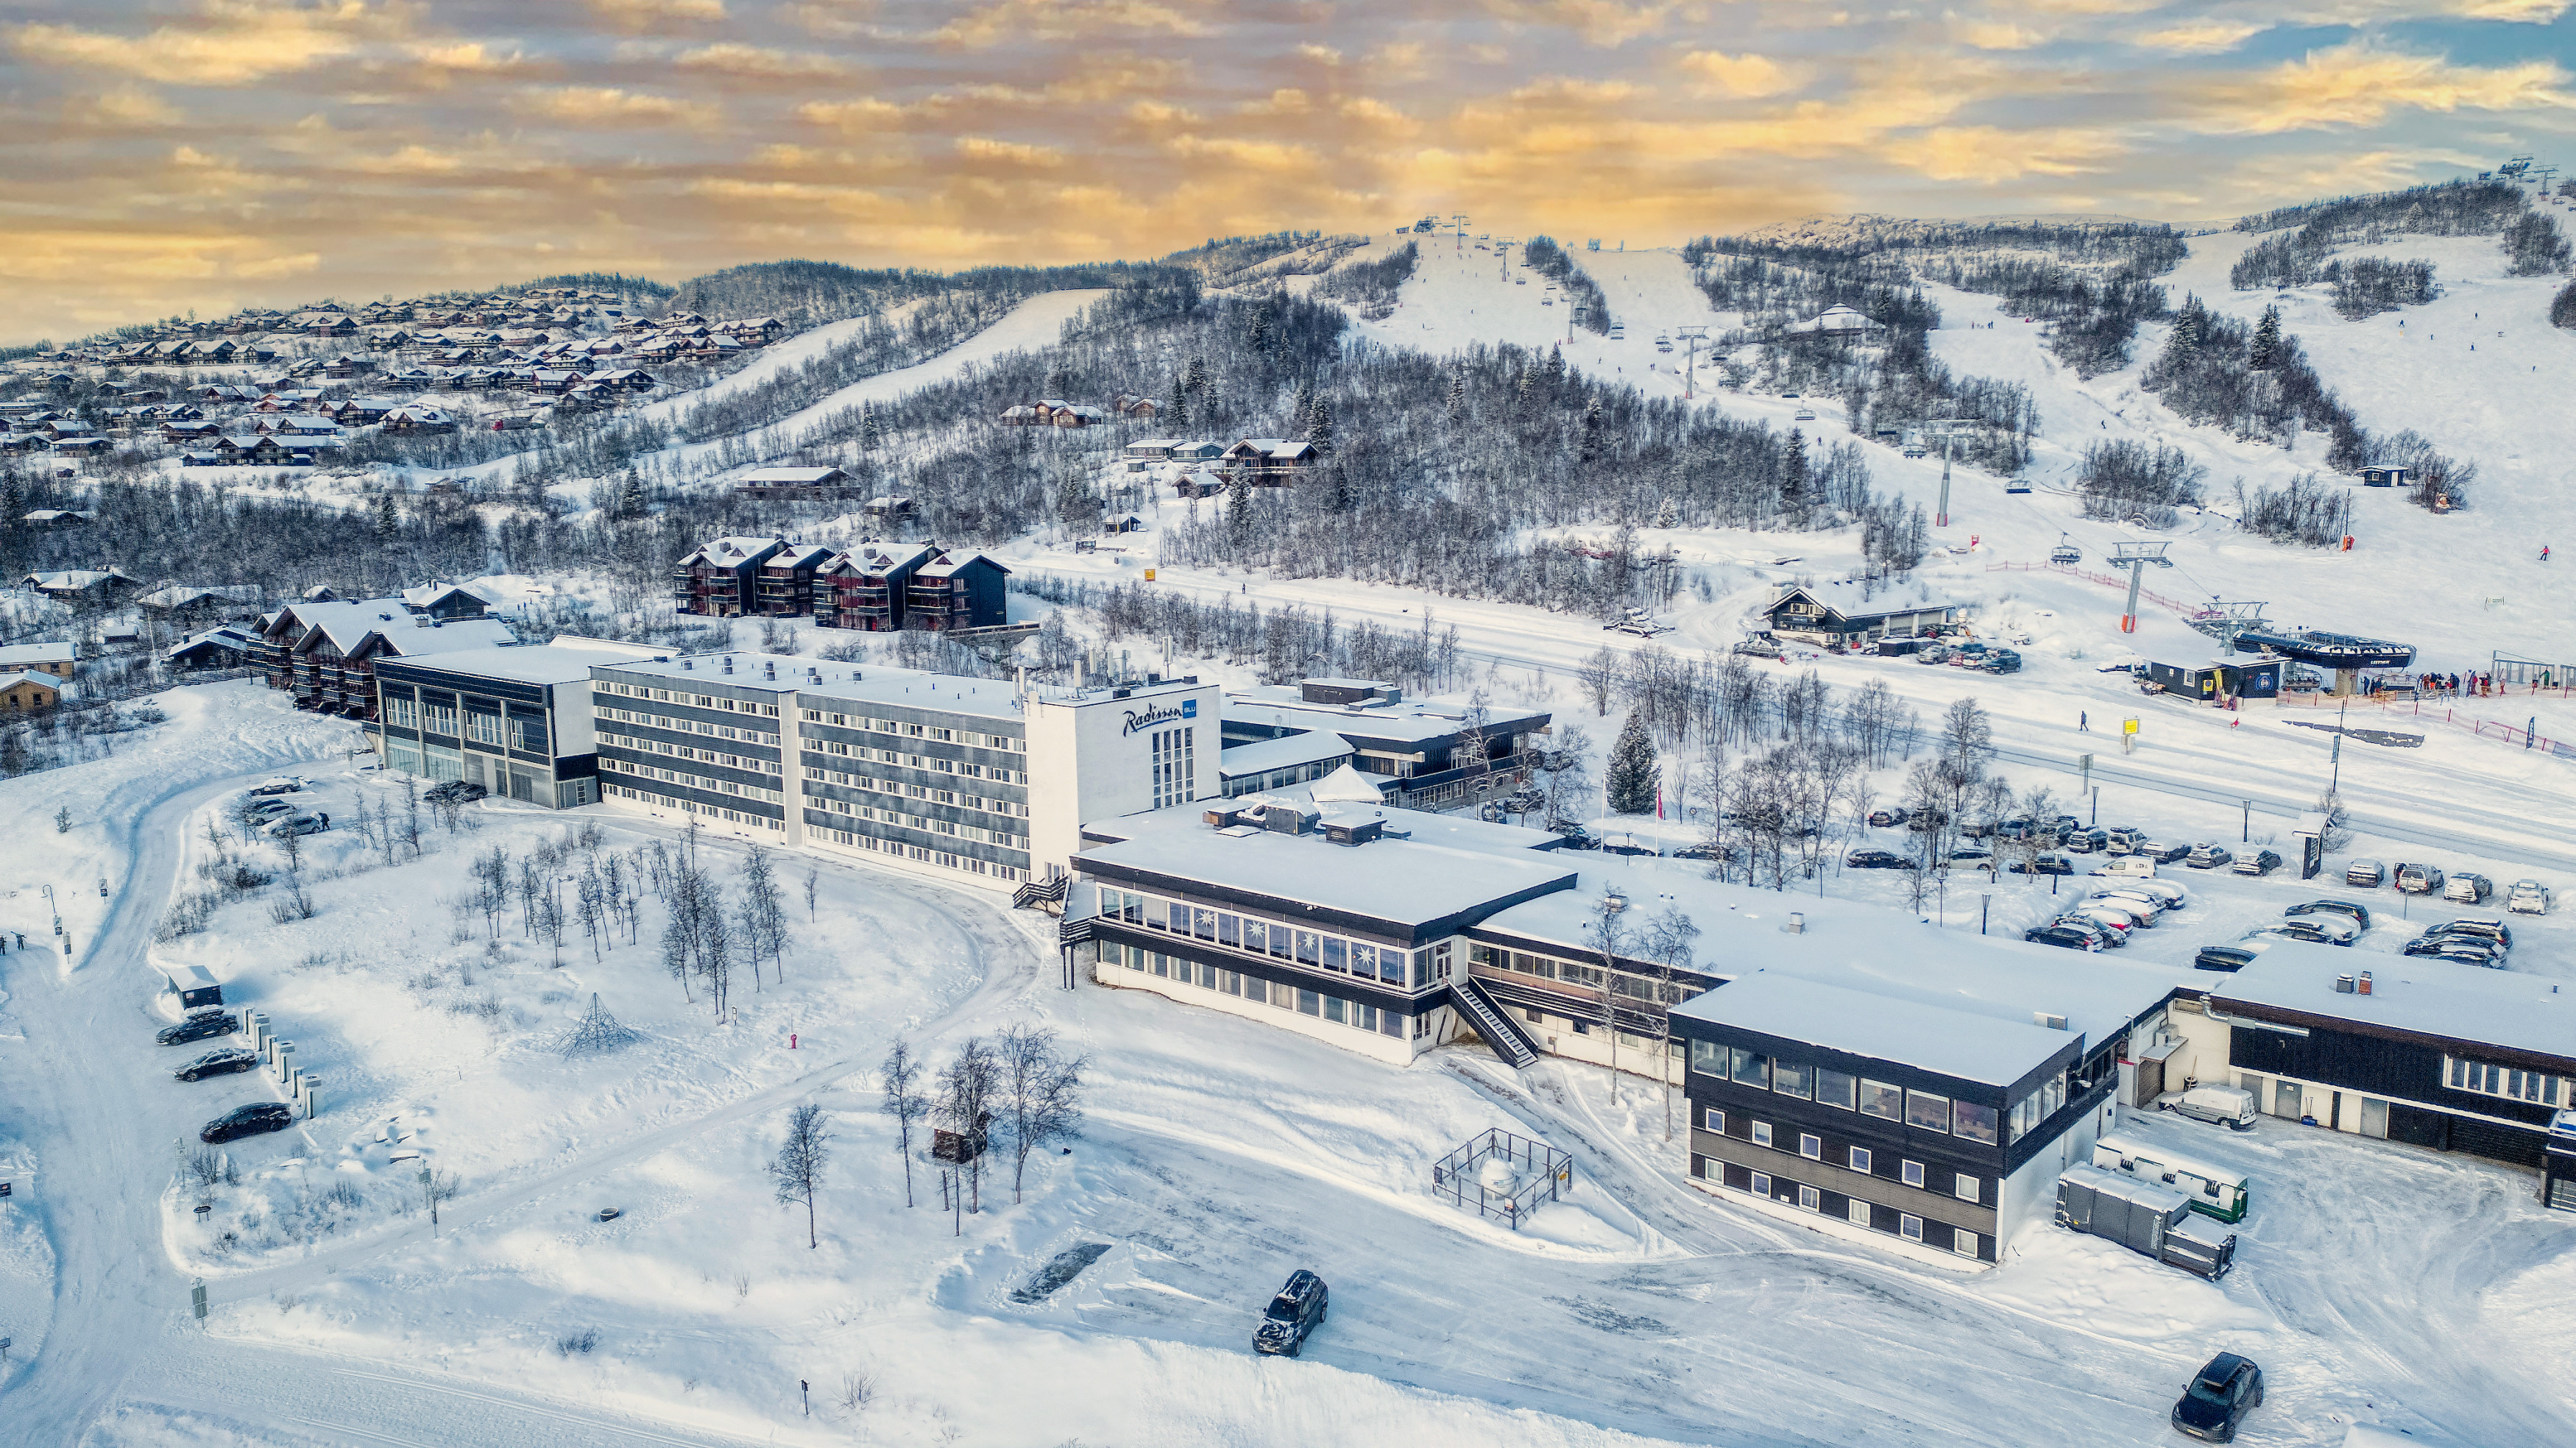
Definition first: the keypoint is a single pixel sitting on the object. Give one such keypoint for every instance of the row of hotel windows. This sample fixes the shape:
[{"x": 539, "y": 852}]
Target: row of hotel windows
[
  {"x": 1858, "y": 1158},
  {"x": 919, "y": 761},
  {"x": 403, "y": 712},
  {"x": 1311, "y": 949},
  {"x": 693, "y": 781},
  {"x": 1175, "y": 765},
  {"x": 1926, "y": 1110},
  {"x": 683, "y": 751},
  {"x": 2510, "y": 1082},
  {"x": 757, "y": 734},
  {"x": 683, "y": 696},
  {"x": 1634, "y": 987},
  {"x": 1286, "y": 997},
  {"x": 914, "y": 731},
  {"x": 1912, "y": 1228},
  {"x": 918, "y": 822},
  {"x": 915, "y": 791},
  {"x": 943, "y": 858},
  {"x": 660, "y": 801}
]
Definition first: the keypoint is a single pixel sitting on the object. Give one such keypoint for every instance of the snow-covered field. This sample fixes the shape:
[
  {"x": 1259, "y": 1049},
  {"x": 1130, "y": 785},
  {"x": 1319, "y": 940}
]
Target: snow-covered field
[{"x": 2374, "y": 1282}]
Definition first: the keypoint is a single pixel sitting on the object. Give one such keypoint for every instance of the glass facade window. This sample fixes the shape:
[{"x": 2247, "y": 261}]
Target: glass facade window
[
  {"x": 1972, "y": 1121},
  {"x": 1335, "y": 954},
  {"x": 1836, "y": 1088},
  {"x": 1930, "y": 1112},
  {"x": 1881, "y": 1100},
  {"x": 1910, "y": 1173},
  {"x": 1309, "y": 948},
  {"x": 1203, "y": 924},
  {"x": 1789, "y": 1078},
  {"x": 1708, "y": 1058},
  {"x": 1229, "y": 930},
  {"x": 1279, "y": 935},
  {"x": 1310, "y": 1002},
  {"x": 1751, "y": 1068},
  {"x": 1363, "y": 959},
  {"x": 1256, "y": 936}
]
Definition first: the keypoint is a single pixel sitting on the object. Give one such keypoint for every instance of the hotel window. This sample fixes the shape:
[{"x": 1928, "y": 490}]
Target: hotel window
[
  {"x": 1716, "y": 1121},
  {"x": 1835, "y": 1088},
  {"x": 1279, "y": 936},
  {"x": 439, "y": 718},
  {"x": 1308, "y": 946},
  {"x": 1203, "y": 924},
  {"x": 1751, "y": 1069},
  {"x": 1708, "y": 1058},
  {"x": 1930, "y": 1112},
  {"x": 1858, "y": 1211},
  {"x": 1974, "y": 1122},
  {"x": 1363, "y": 959},
  {"x": 1762, "y": 1133},
  {"x": 1910, "y": 1228},
  {"x": 1811, "y": 1199},
  {"x": 1390, "y": 964},
  {"x": 1255, "y": 937},
  {"x": 1336, "y": 954},
  {"x": 1789, "y": 1078},
  {"x": 1966, "y": 1190},
  {"x": 1881, "y": 1100},
  {"x": 402, "y": 713},
  {"x": 1911, "y": 1173},
  {"x": 1967, "y": 1242},
  {"x": 2486, "y": 1078},
  {"x": 1229, "y": 930},
  {"x": 1761, "y": 1184},
  {"x": 1309, "y": 1002},
  {"x": 1860, "y": 1160},
  {"x": 1175, "y": 765},
  {"x": 1811, "y": 1146}
]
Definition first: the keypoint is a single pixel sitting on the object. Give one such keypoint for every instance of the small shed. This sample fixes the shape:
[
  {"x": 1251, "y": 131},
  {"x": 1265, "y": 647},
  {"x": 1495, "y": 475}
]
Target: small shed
[
  {"x": 193, "y": 986},
  {"x": 2387, "y": 475}
]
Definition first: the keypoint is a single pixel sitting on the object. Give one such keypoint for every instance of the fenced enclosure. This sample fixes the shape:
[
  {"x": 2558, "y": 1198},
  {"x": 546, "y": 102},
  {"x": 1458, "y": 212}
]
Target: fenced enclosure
[{"x": 1503, "y": 1176}]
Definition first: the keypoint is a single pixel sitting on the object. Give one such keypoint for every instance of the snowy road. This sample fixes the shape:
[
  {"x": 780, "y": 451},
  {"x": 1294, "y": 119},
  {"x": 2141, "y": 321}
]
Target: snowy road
[{"x": 119, "y": 1344}]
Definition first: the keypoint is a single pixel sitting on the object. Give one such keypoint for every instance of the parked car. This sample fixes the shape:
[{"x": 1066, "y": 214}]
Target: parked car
[
  {"x": 2459, "y": 950},
  {"x": 2314, "y": 929},
  {"x": 2102, "y": 936},
  {"x": 2042, "y": 864},
  {"x": 2122, "y": 840},
  {"x": 2357, "y": 914},
  {"x": 2468, "y": 888},
  {"x": 2171, "y": 895},
  {"x": 1630, "y": 847},
  {"x": 2529, "y": 897},
  {"x": 1705, "y": 852},
  {"x": 2368, "y": 873},
  {"x": 2419, "y": 879},
  {"x": 2003, "y": 661},
  {"x": 2134, "y": 867},
  {"x": 2015, "y": 828},
  {"x": 1296, "y": 1311},
  {"x": 264, "y": 811},
  {"x": 462, "y": 792},
  {"x": 1877, "y": 860},
  {"x": 303, "y": 824},
  {"x": 198, "y": 1028},
  {"x": 2495, "y": 930},
  {"x": 2146, "y": 910},
  {"x": 2220, "y": 1396},
  {"x": 1889, "y": 818},
  {"x": 251, "y": 1120},
  {"x": 2115, "y": 922},
  {"x": 1518, "y": 802},
  {"x": 2228, "y": 957},
  {"x": 2162, "y": 853},
  {"x": 279, "y": 785},
  {"x": 223, "y": 1061},
  {"x": 1971, "y": 854},
  {"x": 2261, "y": 862},
  {"x": 1978, "y": 829},
  {"x": 2209, "y": 857},
  {"x": 2226, "y": 1106},
  {"x": 2062, "y": 936},
  {"x": 1575, "y": 835},
  {"x": 1919, "y": 823}
]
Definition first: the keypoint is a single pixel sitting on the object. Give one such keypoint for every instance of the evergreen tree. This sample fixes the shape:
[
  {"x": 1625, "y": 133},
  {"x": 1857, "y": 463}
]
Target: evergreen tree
[
  {"x": 1302, "y": 411},
  {"x": 388, "y": 521},
  {"x": 2562, "y": 313},
  {"x": 2265, "y": 352},
  {"x": 1238, "y": 503},
  {"x": 1592, "y": 425},
  {"x": 1457, "y": 395},
  {"x": 1199, "y": 377},
  {"x": 1058, "y": 381},
  {"x": 1555, "y": 368},
  {"x": 1319, "y": 425},
  {"x": 1793, "y": 475},
  {"x": 1339, "y": 498},
  {"x": 630, "y": 498},
  {"x": 1178, "y": 414},
  {"x": 870, "y": 434},
  {"x": 1631, "y": 777}
]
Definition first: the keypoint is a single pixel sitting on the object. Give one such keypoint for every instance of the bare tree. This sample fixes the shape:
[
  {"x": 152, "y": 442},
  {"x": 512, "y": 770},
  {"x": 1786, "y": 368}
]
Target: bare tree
[
  {"x": 1041, "y": 1094},
  {"x": 798, "y": 1169},
  {"x": 1668, "y": 941},
  {"x": 1599, "y": 676},
  {"x": 900, "y": 1078},
  {"x": 1607, "y": 933},
  {"x": 411, "y": 815},
  {"x": 813, "y": 882},
  {"x": 436, "y": 1187},
  {"x": 964, "y": 1106},
  {"x": 764, "y": 915}
]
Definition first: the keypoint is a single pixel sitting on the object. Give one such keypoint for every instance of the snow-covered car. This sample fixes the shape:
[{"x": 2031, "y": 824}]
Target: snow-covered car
[
  {"x": 2419, "y": 879},
  {"x": 1629, "y": 847},
  {"x": 2334, "y": 929},
  {"x": 2146, "y": 910},
  {"x": 2041, "y": 864},
  {"x": 198, "y": 1028},
  {"x": 279, "y": 785},
  {"x": 251, "y": 1120},
  {"x": 1877, "y": 860},
  {"x": 223, "y": 1061},
  {"x": 2229, "y": 957},
  {"x": 2166, "y": 892},
  {"x": 2365, "y": 872},
  {"x": 2114, "y": 922},
  {"x": 2529, "y": 897},
  {"x": 302, "y": 824},
  {"x": 2209, "y": 857},
  {"x": 2085, "y": 841},
  {"x": 2261, "y": 862},
  {"x": 1887, "y": 819},
  {"x": 2357, "y": 914},
  {"x": 460, "y": 790},
  {"x": 2495, "y": 930},
  {"x": 266, "y": 811},
  {"x": 1297, "y": 1310},
  {"x": 2161, "y": 853},
  {"x": 2468, "y": 888}
]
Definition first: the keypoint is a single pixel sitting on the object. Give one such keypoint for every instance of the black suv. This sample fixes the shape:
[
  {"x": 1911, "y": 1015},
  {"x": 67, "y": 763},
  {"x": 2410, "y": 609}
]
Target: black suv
[
  {"x": 1295, "y": 1312},
  {"x": 251, "y": 1120},
  {"x": 2220, "y": 1396},
  {"x": 2357, "y": 914},
  {"x": 2061, "y": 936},
  {"x": 1876, "y": 860},
  {"x": 223, "y": 1061},
  {"x": 198, "y": 1028},
  {"x": 458, "y": 790}
]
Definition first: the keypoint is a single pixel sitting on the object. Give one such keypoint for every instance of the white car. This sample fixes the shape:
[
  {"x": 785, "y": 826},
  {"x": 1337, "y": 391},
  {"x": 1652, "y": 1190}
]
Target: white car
[
  {"x": 2145, "y": 909},
  {"x": 2115, "y": 922},
  {"x": 2529, "y": 897},
  {"x": 2173, "y": 896}
]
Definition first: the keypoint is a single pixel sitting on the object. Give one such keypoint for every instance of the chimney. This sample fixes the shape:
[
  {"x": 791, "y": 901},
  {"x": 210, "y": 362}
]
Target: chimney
[
  {"x": 728, "y": 663},
  {"x": 772, "y": 667},
  {"x": 1797, "y": 922},
  {"x": 2344, "y": 985},
  {"x": 2365, "y": 982}
]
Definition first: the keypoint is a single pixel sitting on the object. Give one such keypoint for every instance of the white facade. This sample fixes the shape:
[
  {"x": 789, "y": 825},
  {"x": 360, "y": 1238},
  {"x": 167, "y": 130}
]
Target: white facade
[{"x": 1108, "y": 752}]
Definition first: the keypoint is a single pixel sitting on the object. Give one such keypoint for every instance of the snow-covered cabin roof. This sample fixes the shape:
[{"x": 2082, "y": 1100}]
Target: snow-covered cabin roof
[
  {"x": 950, "y": 563},
  {"x": 2415, "y": 995},
  {"x": 1968, "y": 1045},
  {"x": 875, "y": 558},
  {"x": 430, "y": 595},
  {"x": 181, "y": 595},
  {"x": 19, "y": 656},
  {"x": 349, "y": 627},
  {"x": 41, "y": 680},
  {"x": 731, "y": 552}
]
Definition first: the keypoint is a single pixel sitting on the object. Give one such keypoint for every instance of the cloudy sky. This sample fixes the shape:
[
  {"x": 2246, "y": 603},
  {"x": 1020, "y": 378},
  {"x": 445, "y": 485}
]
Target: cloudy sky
[{"x": 169, "y": 155}]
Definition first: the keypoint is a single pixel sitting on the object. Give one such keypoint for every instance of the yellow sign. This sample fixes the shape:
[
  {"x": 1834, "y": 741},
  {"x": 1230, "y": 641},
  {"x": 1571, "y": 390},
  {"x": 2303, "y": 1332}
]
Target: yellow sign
[
  {"x": 2127, "y": 726},
  {"x": 1149, "y": 577}
]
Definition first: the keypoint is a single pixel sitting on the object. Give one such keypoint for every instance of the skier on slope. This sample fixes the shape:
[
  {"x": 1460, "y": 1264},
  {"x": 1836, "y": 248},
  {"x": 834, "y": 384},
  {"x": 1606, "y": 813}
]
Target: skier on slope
[{"x": 2544, "y": 552}]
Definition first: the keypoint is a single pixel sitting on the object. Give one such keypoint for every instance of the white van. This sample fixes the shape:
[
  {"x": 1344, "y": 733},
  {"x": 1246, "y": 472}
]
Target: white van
[
  {"x": 2137, "y": 865},
  {"x": 2225, "y": 1106}
]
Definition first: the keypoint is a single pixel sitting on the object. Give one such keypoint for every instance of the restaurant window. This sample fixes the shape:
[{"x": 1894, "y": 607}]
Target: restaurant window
[
  {"x": 1789, "y": 1078},
  {"x": 1708, "y": 1058},
  {"x": 1229, "y": 930},
  {"x": 1881, "y": 1100},
  {"x": 1835, "y": 1088},
  {"x": 1751, "y": 1069},
  {"x": 1973, "y": 1122},
  {"x": 1336, "y": 953},
  {"x": 1308, "y": 946},
  {"x": 1930, "y": 1112}
]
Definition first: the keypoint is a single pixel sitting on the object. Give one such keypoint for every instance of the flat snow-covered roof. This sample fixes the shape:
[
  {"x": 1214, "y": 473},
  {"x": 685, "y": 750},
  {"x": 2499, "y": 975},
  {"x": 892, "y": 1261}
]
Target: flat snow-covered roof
[
  {"x": 1970, "y": 1045},
  {"x": 1403, "y": 881},
  {"x": 914, "y": 689},
  {"x": 1282, "y": 753},
  {"x": 542, "y": 664},
  {"x": 2464, "y": 1003},
  {"x": 16, "y": 654}
]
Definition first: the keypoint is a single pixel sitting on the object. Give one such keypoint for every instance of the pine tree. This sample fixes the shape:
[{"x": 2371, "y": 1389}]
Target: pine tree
[
  {"x": 1458, "y": 395},
  {"x": 2562, "y": 313},
  {"x": 1793, "y": 475},
  {"x": 1555, "y": 368},
  {"x": 1238, "y": 503},
  {"x": 1593, "y": 423},
  {"x": 1199, "y": 377},
  {"x": 630, "y": 499},
  {"x": 2264, "y": 353},
  {"x": 388, "y": 522},
  {"x": 1319, "y": 425},
  {"x": 1631, "y": 778},
  {"x": 1178, "y": 414},
  {"x": 1302, "y": 411},
  {"x": 870, "y": 433}
]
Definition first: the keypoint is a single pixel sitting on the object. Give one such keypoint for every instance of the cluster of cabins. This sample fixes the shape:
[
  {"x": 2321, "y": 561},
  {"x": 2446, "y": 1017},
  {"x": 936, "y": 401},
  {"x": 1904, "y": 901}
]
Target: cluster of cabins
[{"x": 874, "y": 587}]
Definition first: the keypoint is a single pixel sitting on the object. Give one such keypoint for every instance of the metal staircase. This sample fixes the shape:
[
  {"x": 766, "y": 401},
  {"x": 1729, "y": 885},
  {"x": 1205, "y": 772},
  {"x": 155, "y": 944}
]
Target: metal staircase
[
  {"x": 1497, "y": 1027},
  {"x": 1035, "y": 892}
]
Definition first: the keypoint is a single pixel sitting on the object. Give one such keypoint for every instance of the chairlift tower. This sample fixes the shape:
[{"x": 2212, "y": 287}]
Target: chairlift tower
[
  {"x": 1693, "y": 338},
  {"x": 2137, "y": 557},
  {"x": 1948, "y": 429},
  {"x": 1458, "y": 220},
  {"x": 2236, "y": 618}
]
